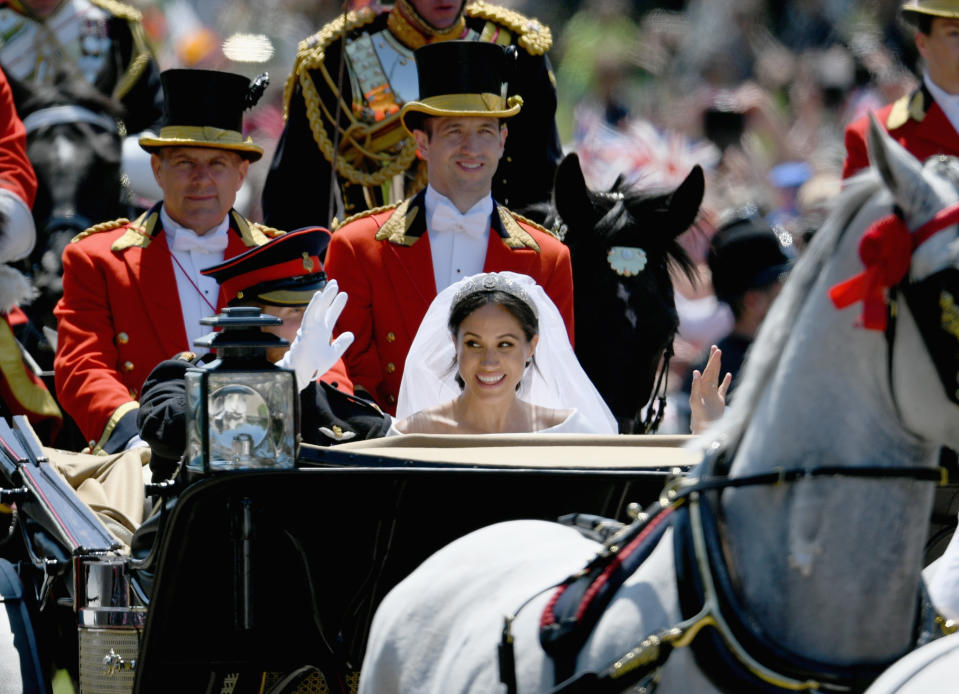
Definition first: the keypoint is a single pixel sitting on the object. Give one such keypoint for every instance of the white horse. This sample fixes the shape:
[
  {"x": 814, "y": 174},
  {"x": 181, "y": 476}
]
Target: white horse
[{"x": 825, "y": 567}]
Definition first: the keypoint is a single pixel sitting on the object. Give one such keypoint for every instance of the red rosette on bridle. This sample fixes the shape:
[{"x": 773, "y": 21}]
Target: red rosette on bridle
[{"x": 885, "y": 249}]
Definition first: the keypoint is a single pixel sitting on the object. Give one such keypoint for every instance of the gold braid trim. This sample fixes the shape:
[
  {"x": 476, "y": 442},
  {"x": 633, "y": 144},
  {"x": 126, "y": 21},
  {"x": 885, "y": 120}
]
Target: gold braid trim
[
  {"x": 142, "y": 54},
  {"x": 311, "y": 58},
  {"x": 535, "y": 225},
  {"x": 120, "y": 9},
  {"x": 534, "y": 36},
  {"x": 517, "y": 236},
  {"x": 103, "y": 226},
  {"x": 365, "y": 213},
  {"x": 318, "y": 42},
  {"x": 97, "y": 449}
]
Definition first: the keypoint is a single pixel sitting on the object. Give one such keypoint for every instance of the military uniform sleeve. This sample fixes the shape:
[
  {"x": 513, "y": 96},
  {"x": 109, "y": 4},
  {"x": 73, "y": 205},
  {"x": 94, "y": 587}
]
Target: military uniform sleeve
[
  {"x": 346, "y": 266},
  {"x": 533, "y": 150},
  {"x": 161, "y": 418},
  {"x": 87, "y": 383}
]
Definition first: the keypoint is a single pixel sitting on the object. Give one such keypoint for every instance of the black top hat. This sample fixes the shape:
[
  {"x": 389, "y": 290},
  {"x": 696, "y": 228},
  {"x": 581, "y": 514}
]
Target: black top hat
[
  {"x": 204, "y": 108},
  {"x": 745, "y": 254},
  {"x": 462, "y": 78},
  {"x": 284, "y": 271}
]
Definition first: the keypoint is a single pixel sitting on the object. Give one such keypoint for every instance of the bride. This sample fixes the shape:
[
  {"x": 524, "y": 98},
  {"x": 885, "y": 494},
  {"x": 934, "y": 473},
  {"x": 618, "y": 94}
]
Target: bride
[{"x": 492, "y": 356}]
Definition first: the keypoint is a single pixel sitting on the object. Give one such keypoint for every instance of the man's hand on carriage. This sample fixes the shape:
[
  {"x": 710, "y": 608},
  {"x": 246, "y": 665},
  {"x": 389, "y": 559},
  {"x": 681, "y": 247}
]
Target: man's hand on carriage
[
  {"x": 313, "y": 352},
  {"x": 707, "y": 396}
]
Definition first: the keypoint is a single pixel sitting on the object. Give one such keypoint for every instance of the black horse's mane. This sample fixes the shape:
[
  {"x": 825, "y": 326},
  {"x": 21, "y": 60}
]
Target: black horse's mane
[{"x": 617, "y": 210}]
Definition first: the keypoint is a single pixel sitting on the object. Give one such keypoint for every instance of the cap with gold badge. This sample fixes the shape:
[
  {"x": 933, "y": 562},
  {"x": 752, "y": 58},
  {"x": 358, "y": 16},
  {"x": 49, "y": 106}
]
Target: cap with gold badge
[{"x": 285, "y": 271}]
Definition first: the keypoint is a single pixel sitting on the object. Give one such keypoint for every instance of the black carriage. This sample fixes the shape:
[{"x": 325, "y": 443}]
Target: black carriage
[{"x": 261, "y": 581}]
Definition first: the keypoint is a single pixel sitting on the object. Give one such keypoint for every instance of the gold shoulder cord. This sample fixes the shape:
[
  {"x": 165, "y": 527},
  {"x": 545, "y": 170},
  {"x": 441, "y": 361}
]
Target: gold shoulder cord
[
  {"x": 103, "y": 226},
  {"x": 142, "y": 54},
  {"x": 534, "y": 36},
  {"x": 359, "y": 215},
  {"x": 310, "y": 56}
]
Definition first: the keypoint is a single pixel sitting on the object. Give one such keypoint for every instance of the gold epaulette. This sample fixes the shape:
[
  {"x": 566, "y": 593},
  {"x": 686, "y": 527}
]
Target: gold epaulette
[
  {"x": 910, "y": 106},
  {"x": 310, "y": 51},
  {"x": 103, "y": 226},
  {"x": 119, "y": 9},
  {"x": 535, "y": 225},
  {"x": 365, "y": 213},
  {"x": 533, "y": 35}
]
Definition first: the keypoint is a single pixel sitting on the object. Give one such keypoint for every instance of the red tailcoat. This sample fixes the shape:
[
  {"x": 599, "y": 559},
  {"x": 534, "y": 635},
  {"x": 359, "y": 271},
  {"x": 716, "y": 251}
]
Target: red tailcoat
[
  {"x": 120, "y": 316},
  {"x": 916, "y": 122},
  {"x": 382, "y": 260}
]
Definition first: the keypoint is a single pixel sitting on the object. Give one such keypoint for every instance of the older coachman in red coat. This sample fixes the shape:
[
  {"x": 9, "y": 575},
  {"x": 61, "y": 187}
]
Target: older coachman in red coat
[
  {"x": 925, "y": 122},
  {"x": 393, "y": 261},
  {"x": 133, "y": 294}
]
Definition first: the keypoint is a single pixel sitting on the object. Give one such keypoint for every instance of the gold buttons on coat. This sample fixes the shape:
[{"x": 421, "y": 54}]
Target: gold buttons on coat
[
  {"x": 390, "y": 368},
  {"x": 391, "y": 397},
  {"x": 128, "y": 366},
  {"x": 122, "y": 338},
  {"x": 391, "y": 336}
]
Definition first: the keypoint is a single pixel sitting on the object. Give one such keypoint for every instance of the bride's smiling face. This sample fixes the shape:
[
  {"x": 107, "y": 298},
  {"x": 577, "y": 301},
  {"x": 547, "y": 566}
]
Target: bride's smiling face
[{"x": 492, "y": 351}]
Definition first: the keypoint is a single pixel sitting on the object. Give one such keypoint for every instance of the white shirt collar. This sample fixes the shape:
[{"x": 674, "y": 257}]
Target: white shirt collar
[
  {"x": 476, "y": 220},
  {"x": 172, "y": 227},
  {"x": 949, "y": 103}
]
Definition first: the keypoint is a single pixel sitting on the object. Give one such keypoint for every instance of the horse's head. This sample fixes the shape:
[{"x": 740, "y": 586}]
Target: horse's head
[
  {"x": 75, "y": 147},
  {"x": 925, "y": 224},
  {"x": 622, "y": 243}
]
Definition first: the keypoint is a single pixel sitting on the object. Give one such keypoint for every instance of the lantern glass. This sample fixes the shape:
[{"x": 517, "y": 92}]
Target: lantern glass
[{"x": 240, "y": 420}]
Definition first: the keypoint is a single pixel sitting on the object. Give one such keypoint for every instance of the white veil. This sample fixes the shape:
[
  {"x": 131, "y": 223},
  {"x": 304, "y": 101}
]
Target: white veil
[{"x": 554, "y": 380}]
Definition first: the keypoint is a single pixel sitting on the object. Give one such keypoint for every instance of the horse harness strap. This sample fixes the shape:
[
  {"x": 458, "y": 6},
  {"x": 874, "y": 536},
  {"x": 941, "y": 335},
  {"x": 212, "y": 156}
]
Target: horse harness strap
[{"x": 579, "y": 601}]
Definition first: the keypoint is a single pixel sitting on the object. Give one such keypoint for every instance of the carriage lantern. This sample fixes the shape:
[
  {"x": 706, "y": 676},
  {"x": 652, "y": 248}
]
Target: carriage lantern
[{"x": 242, "y": 411}]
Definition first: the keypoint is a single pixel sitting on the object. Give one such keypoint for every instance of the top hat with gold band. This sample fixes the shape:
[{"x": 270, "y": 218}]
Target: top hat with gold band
[
  {"x": 204, "y": 108},
  {"x": 935, "y": 8},
  {"x": 285, "y": 271},
  {"x": 462, "y": 78}
]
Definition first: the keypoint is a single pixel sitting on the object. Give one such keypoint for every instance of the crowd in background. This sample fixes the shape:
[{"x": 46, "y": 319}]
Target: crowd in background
[{"x": 758, "y": 92}]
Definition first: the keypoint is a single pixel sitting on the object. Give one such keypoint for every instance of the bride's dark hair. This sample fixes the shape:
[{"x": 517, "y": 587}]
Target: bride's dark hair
[{"x": 518, "y": 308}]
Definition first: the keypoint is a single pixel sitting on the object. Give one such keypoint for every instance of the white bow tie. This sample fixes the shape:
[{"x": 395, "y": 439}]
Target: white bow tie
[
  {"x": 187, "y": 240},
  {"x": 475, "y": 223}
]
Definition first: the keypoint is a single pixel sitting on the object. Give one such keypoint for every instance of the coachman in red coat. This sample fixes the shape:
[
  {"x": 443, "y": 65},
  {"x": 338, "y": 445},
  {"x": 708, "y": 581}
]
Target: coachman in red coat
[{"x": 129, "y": 286}]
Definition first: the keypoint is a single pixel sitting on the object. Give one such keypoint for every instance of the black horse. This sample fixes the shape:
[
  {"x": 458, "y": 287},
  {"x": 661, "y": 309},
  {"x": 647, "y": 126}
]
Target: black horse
[
  {"x": 75, "y": 147},
  {"x": 622, "y": 245}
]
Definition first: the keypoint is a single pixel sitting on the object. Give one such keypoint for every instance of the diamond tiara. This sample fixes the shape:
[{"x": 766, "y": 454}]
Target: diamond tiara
[{"x": 492, "y": 282}]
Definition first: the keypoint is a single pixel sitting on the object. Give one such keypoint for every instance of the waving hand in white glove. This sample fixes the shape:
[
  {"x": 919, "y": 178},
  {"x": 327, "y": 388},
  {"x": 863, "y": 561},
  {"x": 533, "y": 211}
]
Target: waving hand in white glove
[{"x": 312, "y": 353}]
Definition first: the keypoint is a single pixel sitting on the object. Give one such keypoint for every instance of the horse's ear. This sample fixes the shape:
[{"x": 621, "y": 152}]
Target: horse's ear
[
  {"x": 900, "y": 171},
  {"x": 685, "y": 201},
  {"x": 571, "y": 196}
]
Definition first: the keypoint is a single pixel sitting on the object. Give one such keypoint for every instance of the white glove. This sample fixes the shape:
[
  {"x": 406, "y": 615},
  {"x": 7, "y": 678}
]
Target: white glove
[{"x": 312, "y": 354}]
